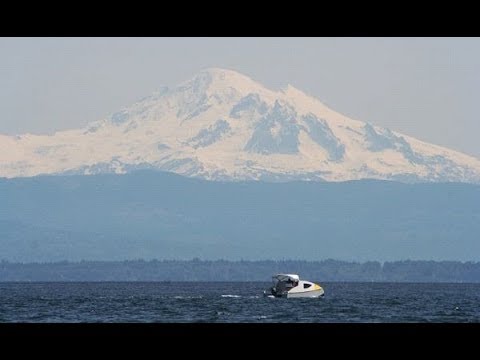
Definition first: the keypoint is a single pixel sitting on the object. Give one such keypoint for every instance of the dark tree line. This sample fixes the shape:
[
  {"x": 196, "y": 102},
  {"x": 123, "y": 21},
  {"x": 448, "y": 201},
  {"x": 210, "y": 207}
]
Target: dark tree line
[{"x": 222, "y": 270}]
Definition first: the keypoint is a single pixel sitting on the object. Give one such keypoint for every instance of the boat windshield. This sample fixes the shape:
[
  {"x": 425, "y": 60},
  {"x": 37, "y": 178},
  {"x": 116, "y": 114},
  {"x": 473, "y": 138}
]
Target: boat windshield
[
  {"x": 285, "y": 278},
  {"x": 285, "y": 281}
]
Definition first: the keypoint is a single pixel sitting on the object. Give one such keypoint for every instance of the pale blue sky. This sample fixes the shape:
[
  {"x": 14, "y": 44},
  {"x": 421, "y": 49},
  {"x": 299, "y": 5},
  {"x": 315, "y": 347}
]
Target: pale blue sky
[{"x": 428, "y": 88}]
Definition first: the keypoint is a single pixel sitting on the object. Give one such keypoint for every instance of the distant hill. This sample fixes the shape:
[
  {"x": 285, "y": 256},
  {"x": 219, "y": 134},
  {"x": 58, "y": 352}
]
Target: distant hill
[
  {"x": 221, "y": 270},
  {"x": 155, "y": 215}
]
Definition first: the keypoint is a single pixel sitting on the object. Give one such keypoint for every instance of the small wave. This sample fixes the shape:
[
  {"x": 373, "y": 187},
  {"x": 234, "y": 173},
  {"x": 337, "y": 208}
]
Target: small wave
[
  {"x": 231, "y": 296},
  {"x": 188, "y": 297},
  {"x": 219, "y": 313}
]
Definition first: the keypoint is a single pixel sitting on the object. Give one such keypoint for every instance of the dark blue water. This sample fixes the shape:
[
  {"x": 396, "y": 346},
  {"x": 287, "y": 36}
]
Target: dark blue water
[{"x": 236, "y": 302}]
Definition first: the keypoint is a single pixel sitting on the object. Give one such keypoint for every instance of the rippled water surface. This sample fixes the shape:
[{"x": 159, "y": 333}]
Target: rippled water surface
[{"x": 236, "y": 302}]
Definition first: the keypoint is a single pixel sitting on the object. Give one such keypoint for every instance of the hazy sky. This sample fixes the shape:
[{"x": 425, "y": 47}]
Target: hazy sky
[{"x": 428, "y": 88}]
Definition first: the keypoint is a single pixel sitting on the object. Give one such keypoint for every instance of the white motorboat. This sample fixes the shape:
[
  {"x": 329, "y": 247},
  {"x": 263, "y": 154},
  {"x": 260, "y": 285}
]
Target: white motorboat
[{"x": 290, "y": 286}]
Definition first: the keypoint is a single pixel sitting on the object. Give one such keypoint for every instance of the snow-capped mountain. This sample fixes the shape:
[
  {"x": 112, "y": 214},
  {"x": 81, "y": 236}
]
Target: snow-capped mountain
[{"x": 222, "y": 125}]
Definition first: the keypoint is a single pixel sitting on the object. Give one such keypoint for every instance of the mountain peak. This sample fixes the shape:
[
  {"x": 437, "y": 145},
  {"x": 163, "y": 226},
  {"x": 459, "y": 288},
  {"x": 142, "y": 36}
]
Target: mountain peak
[
  {"x": 219, "y": 79},
  {"x": 217, "y": 71},
  {"x": 223, "y": 125}
]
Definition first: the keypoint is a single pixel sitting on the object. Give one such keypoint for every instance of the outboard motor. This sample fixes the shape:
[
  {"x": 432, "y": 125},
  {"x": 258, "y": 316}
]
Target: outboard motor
[{"x": 280, "y": 289}]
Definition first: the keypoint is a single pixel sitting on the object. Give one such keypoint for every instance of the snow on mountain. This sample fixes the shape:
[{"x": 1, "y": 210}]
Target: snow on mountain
[{"x": 222, "y": 125}]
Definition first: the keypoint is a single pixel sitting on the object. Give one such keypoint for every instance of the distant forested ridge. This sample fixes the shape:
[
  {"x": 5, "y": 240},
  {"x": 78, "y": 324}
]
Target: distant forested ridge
[
  {"x": 152, "y": 215},
  {"x": 222, "y": 270}
]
